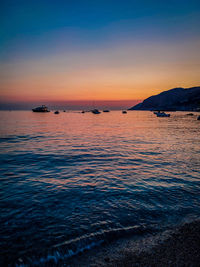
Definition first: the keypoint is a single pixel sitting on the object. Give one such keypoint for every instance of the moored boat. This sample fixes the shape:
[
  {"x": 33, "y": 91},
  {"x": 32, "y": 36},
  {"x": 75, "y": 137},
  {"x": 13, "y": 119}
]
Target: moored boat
[
  {"x": 95, "y": 111},
  {"x": 161, "y": 114},
  {"x": 42, "y": 108}
]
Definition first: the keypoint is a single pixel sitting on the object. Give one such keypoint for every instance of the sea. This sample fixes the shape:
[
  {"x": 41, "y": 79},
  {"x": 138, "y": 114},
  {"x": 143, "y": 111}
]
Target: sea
[{"x": 75, "y": 181}]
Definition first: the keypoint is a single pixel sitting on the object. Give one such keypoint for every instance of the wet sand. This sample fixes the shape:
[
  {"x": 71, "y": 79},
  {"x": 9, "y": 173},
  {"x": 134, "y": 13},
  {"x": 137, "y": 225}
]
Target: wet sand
[{"x": 178, "y": 247}]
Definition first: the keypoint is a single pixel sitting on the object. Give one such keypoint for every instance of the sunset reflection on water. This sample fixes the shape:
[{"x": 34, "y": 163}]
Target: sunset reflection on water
[{"x": 86, "y": 177}]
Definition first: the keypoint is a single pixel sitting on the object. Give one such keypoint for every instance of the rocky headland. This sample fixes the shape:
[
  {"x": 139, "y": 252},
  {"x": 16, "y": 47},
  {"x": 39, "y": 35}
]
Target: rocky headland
[{"x": 176, "y": 99}]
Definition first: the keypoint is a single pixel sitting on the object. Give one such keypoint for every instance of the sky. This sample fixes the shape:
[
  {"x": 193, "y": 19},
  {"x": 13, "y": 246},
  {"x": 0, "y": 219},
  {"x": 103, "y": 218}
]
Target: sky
[{"x": 53, "y": 51}]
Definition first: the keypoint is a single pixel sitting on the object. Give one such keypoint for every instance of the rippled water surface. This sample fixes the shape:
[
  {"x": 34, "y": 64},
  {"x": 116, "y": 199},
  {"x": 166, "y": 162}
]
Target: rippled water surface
[{"x": 73, "y": 181}]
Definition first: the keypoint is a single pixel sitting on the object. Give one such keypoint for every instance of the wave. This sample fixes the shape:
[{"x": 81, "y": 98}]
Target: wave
[
  {"x": 20, "y": 138},
  {"x": 73, "y": 247}
]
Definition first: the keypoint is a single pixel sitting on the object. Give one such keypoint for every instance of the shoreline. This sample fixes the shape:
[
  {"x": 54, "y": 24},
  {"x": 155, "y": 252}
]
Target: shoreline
[{"x": 175, "y": 247}]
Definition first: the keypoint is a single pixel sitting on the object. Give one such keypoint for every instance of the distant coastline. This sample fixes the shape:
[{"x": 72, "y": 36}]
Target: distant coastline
[
  {"x": 176, "y": 99},
  {"x": 69, "y": 104}
]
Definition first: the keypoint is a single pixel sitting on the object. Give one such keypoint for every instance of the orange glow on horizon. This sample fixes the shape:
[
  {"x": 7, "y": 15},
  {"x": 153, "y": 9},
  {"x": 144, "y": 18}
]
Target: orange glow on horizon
[{"x": 124, "y": 72}]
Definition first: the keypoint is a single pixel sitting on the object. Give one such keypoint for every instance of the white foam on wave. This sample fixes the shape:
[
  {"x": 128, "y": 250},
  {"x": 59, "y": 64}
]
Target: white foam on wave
[
  {"x": 71, "y": 248},
  {"x": 56, "y": 256}
]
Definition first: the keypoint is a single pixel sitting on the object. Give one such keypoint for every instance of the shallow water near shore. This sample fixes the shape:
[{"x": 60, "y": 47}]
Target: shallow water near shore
[{"x": 73, "y": 181}]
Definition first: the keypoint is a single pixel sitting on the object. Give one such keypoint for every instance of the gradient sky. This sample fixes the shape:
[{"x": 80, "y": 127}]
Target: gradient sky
[{"x": 97, "y": 50}]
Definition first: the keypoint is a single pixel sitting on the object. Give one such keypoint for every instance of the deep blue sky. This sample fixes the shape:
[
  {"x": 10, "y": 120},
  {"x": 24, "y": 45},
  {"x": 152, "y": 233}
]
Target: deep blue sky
[{"x": 33, "y": 19}]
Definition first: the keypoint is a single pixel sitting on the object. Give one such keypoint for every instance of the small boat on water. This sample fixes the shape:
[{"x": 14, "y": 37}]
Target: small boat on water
[
  {"x": 42, "y": 108},
  {"x": 161, "y": 114},
  {"x": 56, "y": 112},
  {"x": 106, "y": 110},
  {"x": 124, "y": 111},
  {"x": 82, "y": 111},
  {"x": 95, "y": 111}
]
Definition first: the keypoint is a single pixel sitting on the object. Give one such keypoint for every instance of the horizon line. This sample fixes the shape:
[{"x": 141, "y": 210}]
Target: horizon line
[
  {"x": 69, "y": 104},
  {"x": 69, "y": 100}
]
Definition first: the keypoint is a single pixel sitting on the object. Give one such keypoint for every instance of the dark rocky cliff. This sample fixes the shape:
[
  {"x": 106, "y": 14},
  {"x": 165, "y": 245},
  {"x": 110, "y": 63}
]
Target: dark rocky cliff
[{"x": 174, "y": 99}]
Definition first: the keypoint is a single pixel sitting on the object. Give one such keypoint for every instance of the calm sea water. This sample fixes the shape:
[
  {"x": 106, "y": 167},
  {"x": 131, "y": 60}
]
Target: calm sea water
[{"x": 72, "y": 181}]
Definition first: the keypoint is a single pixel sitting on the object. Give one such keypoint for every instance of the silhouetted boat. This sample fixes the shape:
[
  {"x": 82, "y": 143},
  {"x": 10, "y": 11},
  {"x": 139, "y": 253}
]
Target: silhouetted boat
[
  {"x": 42, "y": 108},
  {"x": 95, "y": 111},
  {"x": 106, "y": 110},
  {"x": 82, "y": 111},
  {"x": 124, "y": 111},
  {"x": 161, "y": 114},
  {"x": 198, "y": 118},
  {"x": 56, "y": 112}
]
